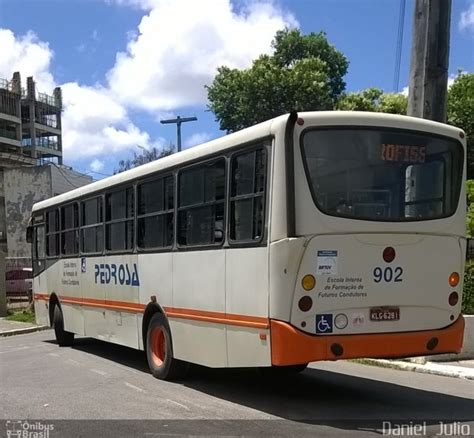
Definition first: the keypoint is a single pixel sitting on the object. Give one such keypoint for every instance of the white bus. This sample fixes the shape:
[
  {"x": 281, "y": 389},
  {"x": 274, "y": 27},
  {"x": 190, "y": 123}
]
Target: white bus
[{"x": 312, "y": 236}]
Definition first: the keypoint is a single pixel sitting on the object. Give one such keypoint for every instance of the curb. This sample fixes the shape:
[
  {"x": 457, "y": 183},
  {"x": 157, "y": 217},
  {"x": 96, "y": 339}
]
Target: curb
[
  {"x": 428, "y": 368},
  {"x": 23, "y": 331}
]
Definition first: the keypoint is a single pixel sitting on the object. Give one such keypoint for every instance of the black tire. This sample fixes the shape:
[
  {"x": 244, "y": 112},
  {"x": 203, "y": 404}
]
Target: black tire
[
  {"x": 63, "y": 338},
  {"x": 282, "y": 371},
  {"x": 159, "y": 351}
]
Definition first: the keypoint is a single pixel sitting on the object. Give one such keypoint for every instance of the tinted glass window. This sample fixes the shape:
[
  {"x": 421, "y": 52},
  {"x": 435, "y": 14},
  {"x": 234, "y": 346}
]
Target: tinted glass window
[
  {"x": 119, "y": 220},
  {"x": 387, "y": 175},
  {"x": 155, "y": 220},
  {"x": 52, "y": 233},
  {"x": 92, "y": 211},
  {"x": 247, "y": 196},
  {"x": 92, "y": 231},
  {"x": 201, "y": 204},
  {"x": 119, "y": 205}
]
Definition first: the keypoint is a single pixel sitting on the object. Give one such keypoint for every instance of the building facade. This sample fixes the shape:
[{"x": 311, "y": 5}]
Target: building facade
[{"x": 31, "y": 165}]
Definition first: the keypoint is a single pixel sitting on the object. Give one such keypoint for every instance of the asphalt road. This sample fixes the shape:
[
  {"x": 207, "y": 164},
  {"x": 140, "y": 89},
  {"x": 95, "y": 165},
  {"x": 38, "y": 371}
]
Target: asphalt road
[{"x": 49, "y": 385}]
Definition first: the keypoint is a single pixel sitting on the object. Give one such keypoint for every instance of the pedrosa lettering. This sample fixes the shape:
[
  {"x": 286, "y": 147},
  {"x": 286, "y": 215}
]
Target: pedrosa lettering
[{"x": 122, "y": 274}]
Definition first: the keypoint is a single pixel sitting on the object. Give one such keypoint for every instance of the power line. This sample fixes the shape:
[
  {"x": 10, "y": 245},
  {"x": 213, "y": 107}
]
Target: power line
[
  {"x": 398, "y": 55},
  {"x": 64, "y": 175}
]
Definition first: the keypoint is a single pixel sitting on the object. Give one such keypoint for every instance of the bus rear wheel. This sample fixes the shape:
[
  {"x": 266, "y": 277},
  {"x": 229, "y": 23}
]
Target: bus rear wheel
[
  {"x": 63, "y": 338},
  {"x": 159, "y": 351}
]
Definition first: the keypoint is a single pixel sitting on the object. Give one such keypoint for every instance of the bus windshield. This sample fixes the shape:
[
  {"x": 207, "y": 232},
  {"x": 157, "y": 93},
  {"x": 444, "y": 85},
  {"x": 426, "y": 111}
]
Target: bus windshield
[{"x": 382, "y": 174}]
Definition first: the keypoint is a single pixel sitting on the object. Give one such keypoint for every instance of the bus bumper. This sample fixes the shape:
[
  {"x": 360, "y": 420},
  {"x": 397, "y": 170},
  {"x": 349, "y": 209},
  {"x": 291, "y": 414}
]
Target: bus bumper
[{"x": 291, "y": 346}]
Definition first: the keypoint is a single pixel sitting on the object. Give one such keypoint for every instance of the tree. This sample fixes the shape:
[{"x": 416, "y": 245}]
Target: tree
[
  {"x": 304, "y": 73},
  {"x": 461, "y": 113},
  {"x": 145, "y": 156},
  {"x": 373, "y": 99},
  {"x": 470, "y": 209}
]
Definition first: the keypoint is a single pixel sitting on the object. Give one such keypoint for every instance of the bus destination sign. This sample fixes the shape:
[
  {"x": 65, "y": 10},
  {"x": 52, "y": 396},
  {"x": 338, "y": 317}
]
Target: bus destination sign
[{"x": 403, "y": 153}]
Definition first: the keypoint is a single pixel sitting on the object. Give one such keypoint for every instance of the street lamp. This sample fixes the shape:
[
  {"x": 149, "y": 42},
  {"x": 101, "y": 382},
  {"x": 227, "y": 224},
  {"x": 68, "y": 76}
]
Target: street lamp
[{"x": 178, "y": 122}]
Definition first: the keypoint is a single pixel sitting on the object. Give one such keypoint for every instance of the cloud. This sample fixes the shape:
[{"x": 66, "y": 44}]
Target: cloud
[
  {"x": 97, "y": 165},
  {"x": 466, "y": 21},
  {"x": 28, "y": 55},
  {"x": 94, "y": 124},
  {"x": 175, "y": 54},
  {"x": 196, "y": 139},
  {"x": 169, "y": 59}
]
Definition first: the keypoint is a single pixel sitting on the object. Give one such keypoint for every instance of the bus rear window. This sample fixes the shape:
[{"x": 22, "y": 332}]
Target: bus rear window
[{"x": 383, "y": 174}]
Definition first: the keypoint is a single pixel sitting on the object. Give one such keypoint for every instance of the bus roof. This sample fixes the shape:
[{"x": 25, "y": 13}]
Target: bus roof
[{"x": 261, "y": 130}]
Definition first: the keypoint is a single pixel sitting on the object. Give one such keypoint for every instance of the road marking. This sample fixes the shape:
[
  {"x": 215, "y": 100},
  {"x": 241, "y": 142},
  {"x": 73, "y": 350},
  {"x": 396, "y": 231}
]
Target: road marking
[
  {"x": 75, "y": 362},
  {"x": 102, "y": 373},
  {"x": 136, "y": 388},
  {"x": 53, "y": 354},
  {"x": 176, "y": 403},
  {"x": 14, "y": 349}
]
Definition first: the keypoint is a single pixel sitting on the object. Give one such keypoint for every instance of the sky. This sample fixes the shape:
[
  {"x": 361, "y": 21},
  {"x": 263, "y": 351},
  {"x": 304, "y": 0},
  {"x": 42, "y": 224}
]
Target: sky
[{"x": 124, "y": 65}]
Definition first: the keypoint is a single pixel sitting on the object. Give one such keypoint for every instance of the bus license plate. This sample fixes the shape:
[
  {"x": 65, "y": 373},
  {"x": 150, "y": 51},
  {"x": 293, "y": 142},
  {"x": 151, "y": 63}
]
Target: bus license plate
[{"x": 384, "y": 313}]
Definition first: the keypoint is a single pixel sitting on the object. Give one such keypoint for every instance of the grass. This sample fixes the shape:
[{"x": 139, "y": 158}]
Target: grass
[{"x": 22, "y": 316}]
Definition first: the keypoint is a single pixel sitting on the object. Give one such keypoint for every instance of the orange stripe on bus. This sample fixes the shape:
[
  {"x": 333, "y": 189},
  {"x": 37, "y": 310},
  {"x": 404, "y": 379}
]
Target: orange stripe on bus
[
  {"x": 290, "y": 346},
  {"x": 218, "y": 317},
  {"x": 257, "y": 322}
]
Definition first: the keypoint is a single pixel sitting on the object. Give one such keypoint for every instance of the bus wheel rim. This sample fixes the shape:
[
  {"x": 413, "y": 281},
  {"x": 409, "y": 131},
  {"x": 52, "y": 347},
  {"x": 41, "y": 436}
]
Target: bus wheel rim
[{"x": 158, "y": 346}]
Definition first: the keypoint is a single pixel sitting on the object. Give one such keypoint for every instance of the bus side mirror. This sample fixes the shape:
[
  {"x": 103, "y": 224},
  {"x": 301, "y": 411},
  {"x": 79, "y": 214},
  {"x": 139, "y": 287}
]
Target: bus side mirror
[{"x": 29, "y": 234}]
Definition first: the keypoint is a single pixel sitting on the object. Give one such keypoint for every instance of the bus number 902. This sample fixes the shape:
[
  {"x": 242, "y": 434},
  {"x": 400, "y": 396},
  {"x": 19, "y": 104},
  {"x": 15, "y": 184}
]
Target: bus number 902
[{"x": 388, "y": 274}]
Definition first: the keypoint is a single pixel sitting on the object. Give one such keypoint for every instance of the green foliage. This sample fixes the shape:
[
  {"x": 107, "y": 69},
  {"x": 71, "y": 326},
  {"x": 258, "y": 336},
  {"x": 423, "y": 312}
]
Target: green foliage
[
  {"x": 373, "y": 99},
  {"x": 468, "y": 290},
  {"x": 145, "y": 156},
  {"x": 470, "y": 208},
  {"x": 22, "y": 316},
  {"x": 461, "y": 112},
  {"x": 304, "y": 73}
]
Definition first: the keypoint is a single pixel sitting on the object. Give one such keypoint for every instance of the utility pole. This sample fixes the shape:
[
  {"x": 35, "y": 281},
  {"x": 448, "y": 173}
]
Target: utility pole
[
  {"x": 178, "y": 122},
  {"x": 430, "y": 60}
]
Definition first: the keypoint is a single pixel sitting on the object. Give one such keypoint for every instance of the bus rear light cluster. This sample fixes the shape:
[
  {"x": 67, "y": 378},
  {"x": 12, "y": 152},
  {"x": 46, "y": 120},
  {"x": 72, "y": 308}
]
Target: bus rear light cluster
[
  {"x": 454, "y": 279},
  {"x": 389, "y": 254},
  {"x": 305, "y": 303},
  {"x": 308, "y": 282},
  {"x": 453, "y": 298}
]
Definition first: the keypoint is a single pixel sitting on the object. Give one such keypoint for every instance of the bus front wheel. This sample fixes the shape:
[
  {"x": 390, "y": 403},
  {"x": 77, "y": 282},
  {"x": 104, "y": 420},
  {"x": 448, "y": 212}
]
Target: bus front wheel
[
  {"x": 159, "y": 351},
  {"x": 63, "y": 338}
]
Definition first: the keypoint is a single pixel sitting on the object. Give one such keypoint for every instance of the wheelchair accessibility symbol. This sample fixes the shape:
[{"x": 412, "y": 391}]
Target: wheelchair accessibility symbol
[{"x": 324, "y": 323}]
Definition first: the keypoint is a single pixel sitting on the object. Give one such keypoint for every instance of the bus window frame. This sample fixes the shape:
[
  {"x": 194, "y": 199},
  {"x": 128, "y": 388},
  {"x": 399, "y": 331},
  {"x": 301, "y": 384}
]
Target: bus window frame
[
  {"x": 75, "y": 229},
  {"x": 221, "y": 244},
  {"x": 100, "y": 195},
  {"x": 132, "y": 218},
  {"x": 149, "y": 179},
  {"x": 454, "y": 140},
  {"x": 233, "y": 243},
  {"x": 56, "y": 208}
]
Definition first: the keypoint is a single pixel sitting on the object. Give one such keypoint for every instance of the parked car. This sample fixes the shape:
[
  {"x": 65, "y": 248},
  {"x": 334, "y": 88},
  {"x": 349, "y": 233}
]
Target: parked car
[{"x": 19, "y": 282}]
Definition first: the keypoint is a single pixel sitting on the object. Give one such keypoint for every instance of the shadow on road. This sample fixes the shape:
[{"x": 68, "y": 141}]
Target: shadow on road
[{"x": 314, "y": 396}]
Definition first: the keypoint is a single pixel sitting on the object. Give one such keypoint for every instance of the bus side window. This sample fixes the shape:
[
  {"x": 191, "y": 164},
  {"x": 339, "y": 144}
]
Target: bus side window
[
  {"x": 119, "y": 215},
  {"x": 155, "y": 213},
  {"x": 92, "y": 229},
  {"x": 52, "y": 233},
  {"x": 201, "y": 204},
  {"x": 69, "y": 229},
  {"x": 247, "y": 196}
]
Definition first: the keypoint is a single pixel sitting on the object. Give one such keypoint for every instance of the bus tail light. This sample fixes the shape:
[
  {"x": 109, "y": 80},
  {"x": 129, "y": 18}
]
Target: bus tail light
[
  {"x": 308, "y": 282},
  {"x": 453, "y": 298},
  {"x": 305, "y": 303},
  {"x": 454, "y": 279},
  {"x": 389, "y": 254}
]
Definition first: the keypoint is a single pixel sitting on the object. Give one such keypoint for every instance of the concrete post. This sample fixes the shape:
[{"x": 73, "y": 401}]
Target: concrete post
[
  {"x": 429, "y": 60},
  {"x": 3, "y": 290}
]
